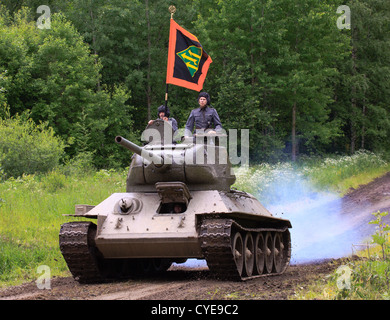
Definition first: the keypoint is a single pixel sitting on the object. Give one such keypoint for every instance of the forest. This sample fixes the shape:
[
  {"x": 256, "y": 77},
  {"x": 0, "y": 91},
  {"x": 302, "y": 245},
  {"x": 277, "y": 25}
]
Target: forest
[{"x": 301, "y": 76}]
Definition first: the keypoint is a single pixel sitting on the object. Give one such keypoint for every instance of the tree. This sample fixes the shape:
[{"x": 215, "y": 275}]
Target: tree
[
  {"x": 281, "y": 69},
  {"x": 309, "y": 67},
  {"x": 281, "y": 57},
  {"x": 239, "y": 36},
  {"x": 52, "y": 73},
  {"x": 369, "y": 87}
]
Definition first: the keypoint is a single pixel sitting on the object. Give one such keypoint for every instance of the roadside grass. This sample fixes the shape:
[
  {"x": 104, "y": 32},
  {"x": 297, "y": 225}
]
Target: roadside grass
[
  {"x": 32, "y": 206},
  {"x": 339, "y": 174},
  {"x": 31, "y": 213},
  {"x": 364, "y": 276}
]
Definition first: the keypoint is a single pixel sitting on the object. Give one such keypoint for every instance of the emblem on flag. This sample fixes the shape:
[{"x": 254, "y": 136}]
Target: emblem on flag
[{"x": 191, "y": 57}]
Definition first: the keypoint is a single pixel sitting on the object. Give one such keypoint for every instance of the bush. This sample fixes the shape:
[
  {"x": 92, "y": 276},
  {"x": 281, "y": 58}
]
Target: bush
[
  {"x": 370, "y": 278},
  {"x": 27, "y": 148},
  {"x": 81, "y": 163},
  {"x": 54, "y": 181}
]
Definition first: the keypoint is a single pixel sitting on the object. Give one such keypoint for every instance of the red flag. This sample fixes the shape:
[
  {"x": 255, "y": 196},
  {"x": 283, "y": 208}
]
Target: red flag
[{"x": 188, "y": 63}]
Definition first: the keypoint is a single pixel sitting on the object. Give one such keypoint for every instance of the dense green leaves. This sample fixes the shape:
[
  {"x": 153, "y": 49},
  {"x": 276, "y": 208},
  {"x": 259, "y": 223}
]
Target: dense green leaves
[
  {"x": 27, "y": 148},
  {"x": 281, "y": 69},
  {"x": 281, "y": 58},
  {"x": 53, "y": 74}
]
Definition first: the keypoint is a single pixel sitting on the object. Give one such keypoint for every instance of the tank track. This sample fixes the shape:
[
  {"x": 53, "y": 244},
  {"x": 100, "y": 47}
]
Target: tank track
[
  {"x": 87, "y": 265},
  {"x": 217, "y": 238},
  {"x": 78, "y": 249}
]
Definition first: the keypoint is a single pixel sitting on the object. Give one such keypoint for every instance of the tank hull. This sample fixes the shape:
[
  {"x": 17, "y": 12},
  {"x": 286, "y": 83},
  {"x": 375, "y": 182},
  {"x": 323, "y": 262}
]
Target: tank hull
[
  {"x": 149, "y": 233},
  {"x": 207, "y": 229}
]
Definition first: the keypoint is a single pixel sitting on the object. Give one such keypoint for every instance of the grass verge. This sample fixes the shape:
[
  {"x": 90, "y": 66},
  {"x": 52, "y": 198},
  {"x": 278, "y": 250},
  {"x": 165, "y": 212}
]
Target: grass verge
[{"x": 31, "y": 213}]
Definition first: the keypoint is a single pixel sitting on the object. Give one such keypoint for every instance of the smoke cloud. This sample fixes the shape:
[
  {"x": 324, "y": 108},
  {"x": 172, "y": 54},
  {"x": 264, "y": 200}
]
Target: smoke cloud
[{"x": 319, "y": 228}]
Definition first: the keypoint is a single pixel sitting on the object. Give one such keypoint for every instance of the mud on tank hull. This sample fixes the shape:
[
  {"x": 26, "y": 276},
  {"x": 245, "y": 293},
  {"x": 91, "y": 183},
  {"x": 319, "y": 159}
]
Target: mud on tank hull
[{"x": 236, "y": 235}]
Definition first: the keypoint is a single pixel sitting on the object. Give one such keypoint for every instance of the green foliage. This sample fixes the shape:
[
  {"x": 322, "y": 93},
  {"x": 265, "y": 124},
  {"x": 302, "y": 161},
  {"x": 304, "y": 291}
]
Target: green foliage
[
  {"x": 301, "y": 85},
  {"x": 31, "y": 212},
  {"x": 81, "y": 164},
  {"x": 54, "y": 181},
  {"x": 53, "y": 74},
  {"x": 370, "y": 281},
  {"x": 271, "y": 68},
  {"x": 381, "y": 236},
  {"x": 369, "y": 278},
  {"x": 3, "y": 80},
  {"x": 16, "y": 259},
  {"x": 366, "y": 95},
  {"x": 364, "y": 280},
  {"x": 27, "y": 148},
  {"x": 344, "y": 172}
]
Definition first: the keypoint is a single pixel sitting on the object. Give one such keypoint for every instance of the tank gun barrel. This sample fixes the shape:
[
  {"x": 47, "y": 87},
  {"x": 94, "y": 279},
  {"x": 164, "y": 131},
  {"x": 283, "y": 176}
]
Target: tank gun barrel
[{"x": 148, "y": 155}]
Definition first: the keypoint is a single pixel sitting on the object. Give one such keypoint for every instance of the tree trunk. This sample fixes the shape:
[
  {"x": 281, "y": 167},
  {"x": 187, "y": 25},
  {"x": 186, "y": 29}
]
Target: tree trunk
[
  {"x": 94, "y": 44},
  {"x": 363, "y": 128},
  {"x": 353, "y": 136},
  {"x": 293, "y": 133}
]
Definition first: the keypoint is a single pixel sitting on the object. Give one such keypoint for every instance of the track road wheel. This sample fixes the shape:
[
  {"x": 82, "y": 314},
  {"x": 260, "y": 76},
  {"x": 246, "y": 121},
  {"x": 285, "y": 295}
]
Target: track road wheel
[
  {"x": 278, "y": 252},
  {"x": 238, "y": 252},
  {"x": 269, "y": 252},
  {"x": 259, "y": 253},
  {"x": 249, "y": 257}
]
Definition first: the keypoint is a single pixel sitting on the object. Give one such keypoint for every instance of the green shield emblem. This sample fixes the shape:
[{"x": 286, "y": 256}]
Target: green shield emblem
[{"x": 191, "y": 57}]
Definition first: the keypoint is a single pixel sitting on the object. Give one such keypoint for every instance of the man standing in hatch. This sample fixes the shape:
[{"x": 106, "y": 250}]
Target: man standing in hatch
[{"x": 203, "y": 118}]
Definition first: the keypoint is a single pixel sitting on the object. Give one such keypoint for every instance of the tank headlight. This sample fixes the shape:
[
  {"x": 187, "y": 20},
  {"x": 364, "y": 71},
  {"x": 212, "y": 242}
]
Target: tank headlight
[{"x": 128, "y": 205}]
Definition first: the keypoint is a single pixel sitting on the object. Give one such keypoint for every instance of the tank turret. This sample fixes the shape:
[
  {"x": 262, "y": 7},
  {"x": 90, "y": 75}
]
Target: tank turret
[{"x": 202, "y": 162}]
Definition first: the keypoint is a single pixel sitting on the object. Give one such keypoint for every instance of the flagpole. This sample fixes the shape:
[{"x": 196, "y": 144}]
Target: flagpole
[
  {"x": 166, "y": 98},
  {"x": 172, "y": 10}
]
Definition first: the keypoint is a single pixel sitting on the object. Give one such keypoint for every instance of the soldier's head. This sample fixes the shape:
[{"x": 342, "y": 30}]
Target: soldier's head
[
  {"x": 203, "y": 99},
  {"x": 162, "y": 112}
]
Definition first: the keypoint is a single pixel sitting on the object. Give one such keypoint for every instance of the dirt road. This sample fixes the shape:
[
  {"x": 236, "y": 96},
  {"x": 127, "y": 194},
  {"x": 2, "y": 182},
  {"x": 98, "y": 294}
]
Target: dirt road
[
  {"x": 187, "y": 284},
  {"x": 178, "y": 284}
]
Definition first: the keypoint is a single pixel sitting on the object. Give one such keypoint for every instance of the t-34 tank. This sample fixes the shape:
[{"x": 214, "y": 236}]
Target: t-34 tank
[{"x": 178, "y": 205}]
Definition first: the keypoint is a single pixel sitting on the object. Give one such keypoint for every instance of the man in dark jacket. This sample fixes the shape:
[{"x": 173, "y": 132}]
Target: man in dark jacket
[
  {"x": 203, "y": 118},
  {"x": 163, "y": 113}
]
